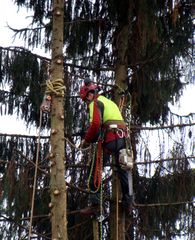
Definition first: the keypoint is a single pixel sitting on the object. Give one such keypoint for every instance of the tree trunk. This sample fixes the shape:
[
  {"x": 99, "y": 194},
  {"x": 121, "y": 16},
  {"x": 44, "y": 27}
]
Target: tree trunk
[
  {"x": 117, "y": 213},
  {"x": 117, "y": 216},
  {"x": 57, "y": 177},
  {"x": 121, "y": 75}
]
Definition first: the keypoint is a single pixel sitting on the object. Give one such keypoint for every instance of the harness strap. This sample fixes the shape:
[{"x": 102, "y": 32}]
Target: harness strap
[
  {"x": 119, "y": 123},
  {"x": 119, "y": 127}
]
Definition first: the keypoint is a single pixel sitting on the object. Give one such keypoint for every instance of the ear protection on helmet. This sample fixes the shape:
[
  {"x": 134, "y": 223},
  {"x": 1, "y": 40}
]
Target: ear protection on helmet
[{"x": 87, "y": 88}]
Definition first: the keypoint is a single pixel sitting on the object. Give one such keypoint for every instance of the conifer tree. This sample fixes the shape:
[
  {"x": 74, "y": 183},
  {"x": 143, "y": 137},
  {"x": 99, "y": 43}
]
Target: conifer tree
[{"x": 140, "y": 47}]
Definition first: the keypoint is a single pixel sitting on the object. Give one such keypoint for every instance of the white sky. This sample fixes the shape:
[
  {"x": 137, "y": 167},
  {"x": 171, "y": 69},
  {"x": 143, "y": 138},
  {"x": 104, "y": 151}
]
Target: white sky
[
  {"x": 9, "y": 15},
  {"x": 186, "y": 103}
]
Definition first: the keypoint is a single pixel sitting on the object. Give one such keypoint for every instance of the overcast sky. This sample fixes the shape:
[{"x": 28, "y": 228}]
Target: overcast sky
[{"x": 9, "y": 15}]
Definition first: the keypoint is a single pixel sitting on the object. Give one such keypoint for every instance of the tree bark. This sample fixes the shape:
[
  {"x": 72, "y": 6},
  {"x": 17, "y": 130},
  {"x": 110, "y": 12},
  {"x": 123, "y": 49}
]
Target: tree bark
[
  {"x": 117, "y": 212},
  {"x": 117, "y": 215},
  {"x": 57, "y": 174}
]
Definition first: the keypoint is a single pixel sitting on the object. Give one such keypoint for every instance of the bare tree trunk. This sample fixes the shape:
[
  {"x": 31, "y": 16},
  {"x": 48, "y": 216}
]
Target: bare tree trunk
[
  {"x": 57, "y": 180},
  {"x": 117, "y": 216},
  {"x": 117, "y": 212},
  {"x": 121, "y": 75}
]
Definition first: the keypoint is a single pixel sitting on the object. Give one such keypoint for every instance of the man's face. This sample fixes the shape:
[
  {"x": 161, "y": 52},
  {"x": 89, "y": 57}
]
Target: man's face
[{"x": 90, "y": 97}]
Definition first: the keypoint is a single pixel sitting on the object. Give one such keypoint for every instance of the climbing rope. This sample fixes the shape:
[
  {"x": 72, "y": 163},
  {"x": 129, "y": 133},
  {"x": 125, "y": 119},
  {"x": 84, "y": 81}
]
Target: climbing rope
[
  {"x": 98, "y": 179},
  {"x": 91, "y": 171},
  {"x": 98, "y": 167},
  {"x": 101, "y": 217},
  {"x": 122, "y": 98},
  {"x": 55, "y": 86},
  {"x": 35, "y": 176},
  {"x": 96, "y": 162},
  {"x": 98, "y": 183},
  {"x": 121, "y": 103}
]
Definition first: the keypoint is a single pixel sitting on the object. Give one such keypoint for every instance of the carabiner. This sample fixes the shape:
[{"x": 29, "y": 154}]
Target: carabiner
[{"x": 120, "y": 133}]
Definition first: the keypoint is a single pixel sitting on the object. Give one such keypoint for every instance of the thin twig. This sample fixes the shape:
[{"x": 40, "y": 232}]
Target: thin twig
[{"x": 162, "y": 204}]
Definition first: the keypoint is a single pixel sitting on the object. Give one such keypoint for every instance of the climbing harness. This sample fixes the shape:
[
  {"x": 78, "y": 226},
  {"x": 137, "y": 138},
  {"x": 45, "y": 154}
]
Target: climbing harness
[{"x": 120, "y": 133}]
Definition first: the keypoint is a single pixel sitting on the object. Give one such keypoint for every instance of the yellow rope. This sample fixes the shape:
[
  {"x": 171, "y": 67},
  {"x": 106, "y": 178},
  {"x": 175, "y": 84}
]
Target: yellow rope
[
  {"x": 35, "y": 177},
  {"x": 91, "y": 171},
  {"x": 55, "y": 86},
  {"x": 121, "y": 104}
]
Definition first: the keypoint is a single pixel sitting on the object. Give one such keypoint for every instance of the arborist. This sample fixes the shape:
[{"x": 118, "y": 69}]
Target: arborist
[{"x": 107, "y": 127}]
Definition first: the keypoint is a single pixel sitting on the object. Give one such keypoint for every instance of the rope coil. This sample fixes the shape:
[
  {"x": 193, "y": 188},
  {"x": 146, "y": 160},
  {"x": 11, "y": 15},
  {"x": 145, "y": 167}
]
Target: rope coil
[
  {"x": 55, "y": 86},
  {"x": 91, "y": 172}
]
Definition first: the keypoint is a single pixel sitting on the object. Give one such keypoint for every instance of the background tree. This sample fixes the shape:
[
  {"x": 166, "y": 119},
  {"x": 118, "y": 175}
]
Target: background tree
[{"x": 152, "y": 54}]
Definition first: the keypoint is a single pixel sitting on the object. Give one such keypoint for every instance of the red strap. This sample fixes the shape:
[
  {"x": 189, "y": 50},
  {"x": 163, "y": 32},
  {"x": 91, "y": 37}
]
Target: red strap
[{"x": 98, "y": 166}]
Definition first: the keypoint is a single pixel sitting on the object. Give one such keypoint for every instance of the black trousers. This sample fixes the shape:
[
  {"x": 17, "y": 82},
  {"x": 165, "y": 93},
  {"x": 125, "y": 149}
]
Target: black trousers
[{"x": 112, "y": 148}]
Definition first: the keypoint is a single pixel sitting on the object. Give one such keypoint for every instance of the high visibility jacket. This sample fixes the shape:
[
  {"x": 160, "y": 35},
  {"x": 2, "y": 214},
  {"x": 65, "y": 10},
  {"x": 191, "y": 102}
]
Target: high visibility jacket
[{"x": 102, "y": 110}]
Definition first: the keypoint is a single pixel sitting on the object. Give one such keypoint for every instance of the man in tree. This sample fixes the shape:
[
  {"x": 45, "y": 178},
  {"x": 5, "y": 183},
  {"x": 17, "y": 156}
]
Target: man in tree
[{"x": 107, "y": 127}]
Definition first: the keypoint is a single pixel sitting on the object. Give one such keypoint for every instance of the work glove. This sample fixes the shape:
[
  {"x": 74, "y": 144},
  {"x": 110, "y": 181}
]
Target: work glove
[{"x": 84, "y": 144}]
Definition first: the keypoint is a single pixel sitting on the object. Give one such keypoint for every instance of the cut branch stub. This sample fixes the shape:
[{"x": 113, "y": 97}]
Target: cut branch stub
[{"x": 56, "y": 192}]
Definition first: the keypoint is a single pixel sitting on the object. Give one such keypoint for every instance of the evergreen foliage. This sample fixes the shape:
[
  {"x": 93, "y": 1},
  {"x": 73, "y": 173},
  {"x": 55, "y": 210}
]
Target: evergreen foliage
[
  {"x": 16, "y": 180},
  {"x": 25, "y": 75}
]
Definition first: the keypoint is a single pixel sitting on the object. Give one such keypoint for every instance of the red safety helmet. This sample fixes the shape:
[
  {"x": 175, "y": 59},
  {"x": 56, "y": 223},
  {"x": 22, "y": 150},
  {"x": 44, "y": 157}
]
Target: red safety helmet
[{"x": 85, "y": 89}]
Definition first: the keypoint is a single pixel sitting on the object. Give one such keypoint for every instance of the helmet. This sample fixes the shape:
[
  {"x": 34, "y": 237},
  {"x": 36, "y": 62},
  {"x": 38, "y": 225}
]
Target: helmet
[{"x": 85, "y": 89}]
